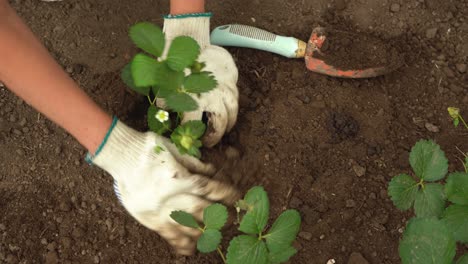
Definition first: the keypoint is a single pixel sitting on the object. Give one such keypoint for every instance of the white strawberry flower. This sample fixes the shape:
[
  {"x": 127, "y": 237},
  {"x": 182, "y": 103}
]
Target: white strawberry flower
[{"x": 162, "y": 116}]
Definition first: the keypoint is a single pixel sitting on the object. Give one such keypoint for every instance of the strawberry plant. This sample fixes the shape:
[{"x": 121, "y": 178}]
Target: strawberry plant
[
  {"x": 176, "y": 79},
  {"x": 456, "y": 117},
  {"x": 431, "y": 237},
  {"x": 256, "y": 245}
]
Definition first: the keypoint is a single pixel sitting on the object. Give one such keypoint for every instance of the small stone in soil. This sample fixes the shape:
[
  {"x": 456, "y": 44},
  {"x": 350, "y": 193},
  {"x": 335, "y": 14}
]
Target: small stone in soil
[
  {"x": 359, "y": 170},
  {"x": 51, "y": 257},
  {"x": 357, "y": 258},
  {"x": 431, "y": 33},
  {"x": 395, "y": 7},
  {"x": 461, "y": 67},
  {"x": 305, "y": 235},
  {"x": 432, "y": 128}
]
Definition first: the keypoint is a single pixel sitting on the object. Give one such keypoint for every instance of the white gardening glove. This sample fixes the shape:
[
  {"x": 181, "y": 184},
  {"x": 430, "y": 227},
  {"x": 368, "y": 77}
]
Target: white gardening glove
[
  {"x": 221, "y": 104},
  {"x": 151, "y": 185}
]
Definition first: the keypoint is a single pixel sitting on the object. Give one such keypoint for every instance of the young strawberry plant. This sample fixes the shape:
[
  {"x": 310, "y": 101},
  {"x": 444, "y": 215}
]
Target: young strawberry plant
[
  {"x": 176, "y": 79},
  {"x": 256, "y": 245},
  {"x": 456, "y": 117},
  {"x": 430, "y": 237}
]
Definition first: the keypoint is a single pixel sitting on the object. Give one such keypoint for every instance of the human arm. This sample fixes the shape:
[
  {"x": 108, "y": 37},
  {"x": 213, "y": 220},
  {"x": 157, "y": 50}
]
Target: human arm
[
  {"x": 31, "y": 73},
  {"x": 187, "y": 7}
]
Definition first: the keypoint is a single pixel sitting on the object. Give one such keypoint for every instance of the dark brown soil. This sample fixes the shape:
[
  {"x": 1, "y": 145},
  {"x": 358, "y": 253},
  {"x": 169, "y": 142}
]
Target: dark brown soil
[
  {"x": 325, "y": 146},
  {"x": 348, "y": 51}
]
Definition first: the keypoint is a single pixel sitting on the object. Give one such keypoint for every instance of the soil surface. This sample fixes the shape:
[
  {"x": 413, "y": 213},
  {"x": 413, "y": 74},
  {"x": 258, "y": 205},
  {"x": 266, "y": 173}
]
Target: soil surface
[
  {"x": 347, "y": 51},
  {"x": 325, "y": 146}
]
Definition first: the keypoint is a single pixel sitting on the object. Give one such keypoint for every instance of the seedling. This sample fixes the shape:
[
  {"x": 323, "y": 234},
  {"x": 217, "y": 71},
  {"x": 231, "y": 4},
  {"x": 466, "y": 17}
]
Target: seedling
[
  {"x": 456, "y": 117},
  {"x": 430, "y": 237},
  {"x": 175, "y": 79},
  {"x": 255, "y": 245}
]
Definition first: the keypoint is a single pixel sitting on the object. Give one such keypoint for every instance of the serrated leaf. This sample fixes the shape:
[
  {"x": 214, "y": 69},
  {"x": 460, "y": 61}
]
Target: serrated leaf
[
  {"x": 171, "y": 82},
  {"x": 456, "y": 219},
  {"x": 145, "y": 70},
  {"x": 184, "y": 219},
  {"x": 402, "y": 189},
  {"x": 247, "y": 250},
  {"x": 430, "y": 201},
  {"x": 427, "y": 241},
  {"x": 194, "y": 152},
  {"x": 196, "y": 128},
  {"x": 456, "y": 188},
  {"x": 428, "y": 161},
  {"x": 148, "y": 37},
  {"x": 283, "y": 231},
  {"x": 127, "y": 78},
  {"x": 154, "y": 124},
  {"x": 209, "y": 241},
  {"x": 282, "y": 255},
  {"x": 182, "y": 53},
  {"x": 181, "y": 102},
  {"x": 215, "y": 216},
  {"x": 463, "y": 259},
  {"x": 255, "y": 219},
  {"x": 200, "y": 83}
]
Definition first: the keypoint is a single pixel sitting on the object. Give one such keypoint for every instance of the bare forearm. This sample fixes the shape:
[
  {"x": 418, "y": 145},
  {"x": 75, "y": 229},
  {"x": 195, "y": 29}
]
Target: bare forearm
[
  {"x": 31, "y": 73},
  {"x": 187, "y": 6}
]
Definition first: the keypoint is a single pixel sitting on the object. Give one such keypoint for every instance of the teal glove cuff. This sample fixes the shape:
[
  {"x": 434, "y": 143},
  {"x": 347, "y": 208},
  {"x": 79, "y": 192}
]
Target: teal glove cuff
[
  {"x": 89, "y": 157},
  {"x": 208, "y": 14}
]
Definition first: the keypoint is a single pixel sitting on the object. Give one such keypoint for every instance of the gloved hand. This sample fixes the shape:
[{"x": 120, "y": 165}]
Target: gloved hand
[
  {"x": 151, "y": 185},
  {"x": 221, "y": 104}
]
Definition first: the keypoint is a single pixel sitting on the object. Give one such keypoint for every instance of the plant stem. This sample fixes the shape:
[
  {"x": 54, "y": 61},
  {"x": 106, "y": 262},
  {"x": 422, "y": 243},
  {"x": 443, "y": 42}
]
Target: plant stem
[
  {"x": 463, "y": 121},
  {"x": 222, "y": 255},
  {"x": 149, "y": 100}
]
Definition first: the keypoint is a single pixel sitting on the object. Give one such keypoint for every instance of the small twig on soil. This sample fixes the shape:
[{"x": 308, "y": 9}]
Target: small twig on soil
[{"x": 221, "y": 254}]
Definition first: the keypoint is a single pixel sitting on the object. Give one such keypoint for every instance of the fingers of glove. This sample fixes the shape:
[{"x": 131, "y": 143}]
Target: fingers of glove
[
  {"x": 181, "y": 242},
  {"x": 192, "y": 164},
  {"x": 214, "y": 190}
]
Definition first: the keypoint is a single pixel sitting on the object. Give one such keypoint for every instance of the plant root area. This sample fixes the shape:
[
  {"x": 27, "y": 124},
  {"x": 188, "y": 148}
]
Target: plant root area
[{"x": 325, "y": 146}]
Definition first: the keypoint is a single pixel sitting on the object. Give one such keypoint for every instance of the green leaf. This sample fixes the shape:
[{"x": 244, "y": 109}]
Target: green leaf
[
  {"x": 255, "y": 220},
  {"x": 215, "y": 216},
  {"x": 127, "y": 78},
  {"x": 247, "y": 250},
  {"x": 194, "y": 152},
  {"x": 463, "y": 259},
  {"x": 195, "y": 128},
  {"x": 428, "y": 161},
  {"x": 171, "y": 82},
  {"x": 184, "y": 219},
  {"x": 402, "y": 190},
  {"x": 284, "y": 231},
  {"x": 456, "y": 122},
  {"x": 427, "y": 241},
  {"x": 148, "y": 37},
  {"x": 145, "y": 70},
  {"x": 456, "y": 219},
  {"x": 282, "y": 256},
  {"x": 209, "y": 241},
  {"x": 181, "y": 102},
  {"x": 182, "y": 53},
  {"x": 456, "y": 188},
  {"x": 430, "y": 201},
  {"x": 154, "y": 124},
  {"x": 200, "y": 83}
]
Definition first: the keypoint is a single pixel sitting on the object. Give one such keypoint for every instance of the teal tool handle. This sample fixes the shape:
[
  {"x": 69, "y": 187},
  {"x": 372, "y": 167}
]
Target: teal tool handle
[{"x": 251, "y": 37}]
